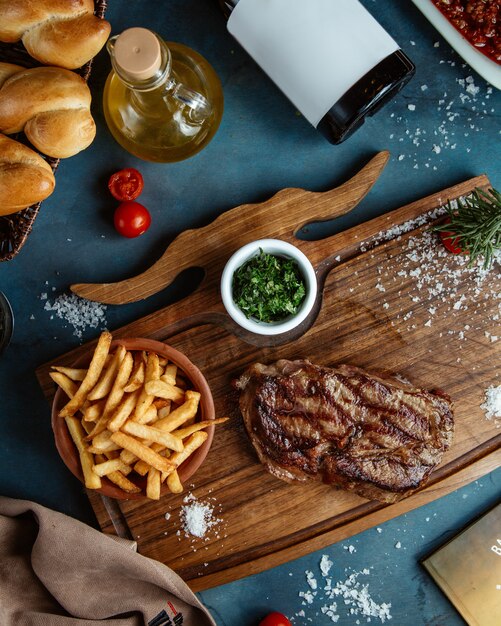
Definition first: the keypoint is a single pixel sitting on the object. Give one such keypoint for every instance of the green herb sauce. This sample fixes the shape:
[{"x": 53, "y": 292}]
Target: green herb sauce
[{"x": 268, "y": 288}]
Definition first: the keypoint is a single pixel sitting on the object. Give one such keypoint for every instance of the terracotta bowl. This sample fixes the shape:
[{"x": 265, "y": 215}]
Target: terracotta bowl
[{"x": 68, "y": 451}]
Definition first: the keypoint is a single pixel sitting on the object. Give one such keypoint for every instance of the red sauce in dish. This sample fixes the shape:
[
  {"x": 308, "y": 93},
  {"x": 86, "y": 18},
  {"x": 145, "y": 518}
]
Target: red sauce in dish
[{"x": 479, "y": 21}]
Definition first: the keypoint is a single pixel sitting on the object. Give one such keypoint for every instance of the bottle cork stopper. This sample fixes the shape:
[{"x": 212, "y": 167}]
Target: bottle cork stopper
[{"x": 137, "y": 53}]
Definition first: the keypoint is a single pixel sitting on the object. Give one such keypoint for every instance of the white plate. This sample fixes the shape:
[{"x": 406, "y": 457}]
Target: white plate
[{"x": 488, "y": 69}]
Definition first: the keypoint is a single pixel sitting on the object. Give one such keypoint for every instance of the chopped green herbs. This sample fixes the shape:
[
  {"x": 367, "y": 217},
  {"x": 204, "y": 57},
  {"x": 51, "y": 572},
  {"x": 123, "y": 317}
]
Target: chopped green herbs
[{"x": 268, "y": 287}]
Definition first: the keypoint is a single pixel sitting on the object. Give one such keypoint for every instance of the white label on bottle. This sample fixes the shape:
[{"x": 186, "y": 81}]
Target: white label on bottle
[{"x": 314, "y": 50}]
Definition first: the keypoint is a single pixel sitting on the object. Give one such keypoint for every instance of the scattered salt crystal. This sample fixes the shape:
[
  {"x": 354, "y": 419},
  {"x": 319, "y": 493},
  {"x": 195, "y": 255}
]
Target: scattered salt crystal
[
  {"x": 311, "y": 580},
  {"x": 197, "y": 517},
  {"x": 167, "y": 516},
  {"x": 436, "y": 44},
  {"x": 398, "y": 545},
  {"x": 380, "y": 530},
  {"x": 411, "y": 107},
  {"x": 492, "y": 403},
  {"x": 308, "y": 596},
  {"x": 355, "y": 597},
  {"x": 32, "y": 317},
  {"x": 78, "y": 312},
  {"x": 325, "y": 564}
]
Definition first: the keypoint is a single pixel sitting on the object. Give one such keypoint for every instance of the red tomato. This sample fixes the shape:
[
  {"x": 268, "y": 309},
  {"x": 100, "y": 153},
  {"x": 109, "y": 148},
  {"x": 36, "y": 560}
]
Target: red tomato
[
  {"x": 275, "y": 619},
  {"x": 450, "y": 241},
  {"x": 131, "y": 219},
  {"x": 126, "y": 184}
]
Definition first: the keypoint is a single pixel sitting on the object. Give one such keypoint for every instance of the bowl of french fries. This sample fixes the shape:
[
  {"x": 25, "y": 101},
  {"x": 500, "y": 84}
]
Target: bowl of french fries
[{"x": 133, "y": 419}]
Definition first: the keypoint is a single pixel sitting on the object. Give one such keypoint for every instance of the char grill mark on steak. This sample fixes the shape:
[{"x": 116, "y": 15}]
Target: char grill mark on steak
[{"x": 378, "y": 437}]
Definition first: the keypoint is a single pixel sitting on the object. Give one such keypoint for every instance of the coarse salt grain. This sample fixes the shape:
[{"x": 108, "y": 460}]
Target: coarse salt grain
[
  {"x": 79, "y": 312},
  {"x": 355, "y": 596},
  {"x": 492, "y": 404},
  {"x": 197, "y": 517}
]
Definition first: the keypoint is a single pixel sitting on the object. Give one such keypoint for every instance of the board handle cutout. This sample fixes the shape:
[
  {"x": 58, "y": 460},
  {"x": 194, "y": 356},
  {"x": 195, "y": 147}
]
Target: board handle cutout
[{"x": 209, "y": 247}]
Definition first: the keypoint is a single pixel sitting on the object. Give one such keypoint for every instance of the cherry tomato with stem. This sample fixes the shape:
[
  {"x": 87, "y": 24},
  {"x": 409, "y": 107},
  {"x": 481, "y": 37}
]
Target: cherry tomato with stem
[
  {"x": 131, "y": 219},
  {"x": 126, "y": 184},
  {"x": 275, "y": 619}
]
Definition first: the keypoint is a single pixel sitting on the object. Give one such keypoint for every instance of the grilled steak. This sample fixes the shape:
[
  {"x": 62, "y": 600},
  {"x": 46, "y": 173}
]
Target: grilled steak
[{"x": 379, "y": 437}]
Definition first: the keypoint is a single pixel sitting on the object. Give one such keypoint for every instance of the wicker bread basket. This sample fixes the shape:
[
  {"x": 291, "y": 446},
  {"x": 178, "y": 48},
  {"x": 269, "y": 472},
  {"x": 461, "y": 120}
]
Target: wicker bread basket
[{"x": 15, "y": 228}]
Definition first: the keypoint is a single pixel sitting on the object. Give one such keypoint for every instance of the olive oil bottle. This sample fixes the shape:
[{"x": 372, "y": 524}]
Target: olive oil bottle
[{"x": 162, "y": 101}]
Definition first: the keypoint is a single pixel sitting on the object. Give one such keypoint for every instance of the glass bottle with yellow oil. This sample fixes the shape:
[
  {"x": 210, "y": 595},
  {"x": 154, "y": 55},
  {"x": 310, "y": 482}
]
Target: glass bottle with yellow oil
[{"x": 162, "y": 101}]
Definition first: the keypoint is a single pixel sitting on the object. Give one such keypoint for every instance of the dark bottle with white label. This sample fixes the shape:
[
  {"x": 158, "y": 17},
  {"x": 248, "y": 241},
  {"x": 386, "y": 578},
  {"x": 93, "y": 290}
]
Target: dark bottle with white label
[{"x": 331, "y": 58}]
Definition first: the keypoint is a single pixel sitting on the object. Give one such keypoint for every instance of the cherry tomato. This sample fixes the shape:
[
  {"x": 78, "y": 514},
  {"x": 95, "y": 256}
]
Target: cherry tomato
[
  {"x": 450, "y": 241},
  {"x": 275, "y": 619},
  {"x": 126, "y": 184},
  {"x": 131, "y": 219}
]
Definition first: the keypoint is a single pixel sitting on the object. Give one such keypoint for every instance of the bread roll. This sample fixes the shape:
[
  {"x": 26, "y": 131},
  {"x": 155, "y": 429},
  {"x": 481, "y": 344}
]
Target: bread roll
[
  {"x": 65, "y": 33},
  {"x": 52, "y": 106},
  {"x": 7, "y": 70},
  {"x": 25, "y": 178}
]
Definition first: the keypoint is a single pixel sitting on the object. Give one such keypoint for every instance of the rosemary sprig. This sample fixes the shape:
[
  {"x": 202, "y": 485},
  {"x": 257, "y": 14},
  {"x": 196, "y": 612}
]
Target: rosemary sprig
[{"x": 476, "y": 223}]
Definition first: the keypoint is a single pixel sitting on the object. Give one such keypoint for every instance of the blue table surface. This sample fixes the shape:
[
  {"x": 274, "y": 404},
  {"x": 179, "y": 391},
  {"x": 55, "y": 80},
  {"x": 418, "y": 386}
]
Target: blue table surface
[{"x": 441, "y": 129}]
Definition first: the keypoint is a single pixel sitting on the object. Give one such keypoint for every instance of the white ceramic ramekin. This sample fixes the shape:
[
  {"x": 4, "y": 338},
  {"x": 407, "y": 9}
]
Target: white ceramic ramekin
[{"x": 278, "y": 248}]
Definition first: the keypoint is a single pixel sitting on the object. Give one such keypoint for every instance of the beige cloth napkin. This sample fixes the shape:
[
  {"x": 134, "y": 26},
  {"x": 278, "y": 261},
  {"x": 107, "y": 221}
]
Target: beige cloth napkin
[{"x": 56, "y": 571}]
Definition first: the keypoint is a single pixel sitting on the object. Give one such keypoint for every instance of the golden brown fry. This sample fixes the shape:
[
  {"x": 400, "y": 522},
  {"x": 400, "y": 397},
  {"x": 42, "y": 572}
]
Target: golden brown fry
[
  {"x": 150, "y": 416},
  {"x": 145, "y": 399},
  {"x": 124, "y": 483},
  {"x": 153, "y": 434},
  {"x": 165, "y": 410},
  {"x": 117, "y": 391},
  {"x": 91, "y": 378},
  {"x": 128, "y": 457},
  {"x": 103, "y": 386},
  {"x": 67, "y": 385},
  {"x": 136, "y": 379},
  {"x": 153, "y": 484},
  {"x": 118, "y": 478},
  {"x": 181, "y": 414},
  {"x": 92, "y": 480},
  {"x": 112, "y": 465},
  {"x": 182, "y": 433},
  {"x": 173, "y": 482},
  {"x": 103, "y": 443},
  {"x": 92, "y": 412},
  {"x": 192, "y": 443},
  {"x": 161, "y": 389},
  {"x": 160, "y": 403},
  {"x": 73, "y": 373},
  {"x": 109, "y": 448},
  {"x": 123, "y": 411},
  {"x": 141, "y": 467},
  {"x": 169, "y": 375},
  {"x": 142, "y": 452}
]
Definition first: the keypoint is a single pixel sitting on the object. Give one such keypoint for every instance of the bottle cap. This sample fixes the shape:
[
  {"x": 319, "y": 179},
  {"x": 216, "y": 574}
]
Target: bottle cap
[{"x": 137, "y": 53}]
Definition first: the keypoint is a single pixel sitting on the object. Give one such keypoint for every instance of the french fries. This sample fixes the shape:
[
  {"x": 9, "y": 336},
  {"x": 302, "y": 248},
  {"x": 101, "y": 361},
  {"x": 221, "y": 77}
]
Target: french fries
[{"x": 131, "y": 414}]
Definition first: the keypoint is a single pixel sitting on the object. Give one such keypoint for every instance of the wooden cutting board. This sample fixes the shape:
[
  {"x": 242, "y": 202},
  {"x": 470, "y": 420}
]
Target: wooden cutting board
[{"x": 390, "y": 303}]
